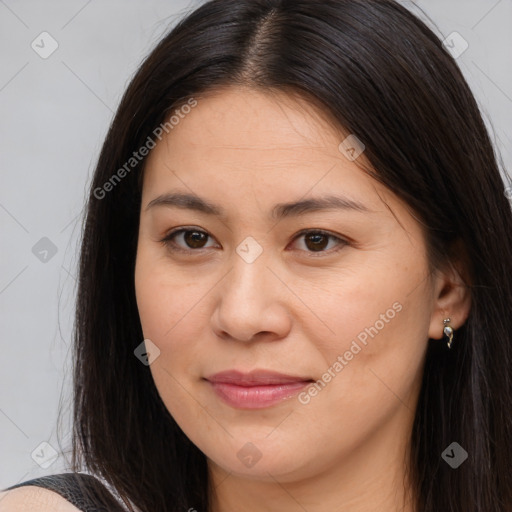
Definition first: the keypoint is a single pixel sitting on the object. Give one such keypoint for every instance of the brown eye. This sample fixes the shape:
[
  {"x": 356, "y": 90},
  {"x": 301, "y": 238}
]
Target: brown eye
[
  {"x": 195, "y": 239},
  {"x": 186, "y": 240},
  {"x": 316, "y": 241}
]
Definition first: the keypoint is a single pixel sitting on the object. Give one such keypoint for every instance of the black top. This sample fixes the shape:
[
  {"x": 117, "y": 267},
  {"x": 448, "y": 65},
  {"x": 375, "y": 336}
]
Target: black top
[{"x": 85, "y": 492}]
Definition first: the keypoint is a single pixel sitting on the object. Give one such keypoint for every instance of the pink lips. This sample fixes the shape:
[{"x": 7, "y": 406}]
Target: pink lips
[{"x": 256, "y": 389}]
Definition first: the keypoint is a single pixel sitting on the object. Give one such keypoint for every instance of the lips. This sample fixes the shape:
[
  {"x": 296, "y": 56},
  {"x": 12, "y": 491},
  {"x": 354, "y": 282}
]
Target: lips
[
  {"x": 256, "y": 389},
  {"x": 255, "y": 378}
]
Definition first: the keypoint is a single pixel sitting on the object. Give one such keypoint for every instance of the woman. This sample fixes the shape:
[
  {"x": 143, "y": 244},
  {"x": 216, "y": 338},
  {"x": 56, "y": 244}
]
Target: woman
[{"x": 295, "y": 274}]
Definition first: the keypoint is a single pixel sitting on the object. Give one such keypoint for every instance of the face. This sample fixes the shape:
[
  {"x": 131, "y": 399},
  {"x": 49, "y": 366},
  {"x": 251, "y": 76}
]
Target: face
[{"x": 319, "y": 314}]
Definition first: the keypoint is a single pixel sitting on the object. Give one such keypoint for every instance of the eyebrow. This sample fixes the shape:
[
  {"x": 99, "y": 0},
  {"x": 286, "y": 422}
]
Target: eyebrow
[{"x": 279, "y": 211}]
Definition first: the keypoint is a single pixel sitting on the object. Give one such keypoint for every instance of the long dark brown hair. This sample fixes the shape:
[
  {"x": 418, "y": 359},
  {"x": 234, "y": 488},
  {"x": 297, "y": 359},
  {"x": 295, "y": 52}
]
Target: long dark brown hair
[{"x": 381, "y": 74}]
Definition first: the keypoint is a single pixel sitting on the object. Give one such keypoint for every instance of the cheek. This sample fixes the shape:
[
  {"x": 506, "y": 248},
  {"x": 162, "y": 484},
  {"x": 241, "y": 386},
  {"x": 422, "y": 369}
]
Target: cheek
[
  {"x": 167, "y": 302},
  {"x": 172, "y": 306},
  {"x": 377, "y": 303},
  {"x": 165, "y": 296},
  {"x": 378, "y": 330}
]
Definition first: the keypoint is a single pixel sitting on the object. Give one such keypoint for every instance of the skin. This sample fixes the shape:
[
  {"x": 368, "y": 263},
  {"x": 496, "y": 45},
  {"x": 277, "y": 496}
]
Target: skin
[
  {"x": 293, "y": 310},
  {"x": 31, "y": 497}
]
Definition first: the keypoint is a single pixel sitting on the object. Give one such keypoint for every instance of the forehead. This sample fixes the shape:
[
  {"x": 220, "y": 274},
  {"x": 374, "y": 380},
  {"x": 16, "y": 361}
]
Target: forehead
[
  {"x": 249, "y": 136},
  {"x": 262, "y": 119}
]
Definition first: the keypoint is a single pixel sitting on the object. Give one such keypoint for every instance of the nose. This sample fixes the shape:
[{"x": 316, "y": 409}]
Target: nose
[{"x": 251, "y": 303}]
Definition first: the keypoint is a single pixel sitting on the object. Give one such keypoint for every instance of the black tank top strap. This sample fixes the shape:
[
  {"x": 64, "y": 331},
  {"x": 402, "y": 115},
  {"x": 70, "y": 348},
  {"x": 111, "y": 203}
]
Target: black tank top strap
[{"x": 84, "y": 491}]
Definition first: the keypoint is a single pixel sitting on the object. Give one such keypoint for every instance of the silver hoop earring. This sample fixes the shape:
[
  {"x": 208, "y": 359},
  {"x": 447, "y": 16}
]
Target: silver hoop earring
[{"x": 448, "y": 332}]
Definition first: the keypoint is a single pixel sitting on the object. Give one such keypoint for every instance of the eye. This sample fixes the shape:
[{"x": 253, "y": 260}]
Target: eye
[
  {"x": 316, "y": 241},
  {"x": 192, "y": 238}
]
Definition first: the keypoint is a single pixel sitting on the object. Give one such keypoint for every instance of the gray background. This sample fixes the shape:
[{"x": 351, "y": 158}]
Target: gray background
[{"x": 54, "y": 115}]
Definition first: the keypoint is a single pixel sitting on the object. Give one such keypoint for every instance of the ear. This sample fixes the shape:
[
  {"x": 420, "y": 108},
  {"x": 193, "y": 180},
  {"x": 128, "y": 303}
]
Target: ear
[{"x": 451, "y": 293}]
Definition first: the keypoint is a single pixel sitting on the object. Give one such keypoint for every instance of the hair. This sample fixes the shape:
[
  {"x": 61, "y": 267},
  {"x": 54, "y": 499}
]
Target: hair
[{"x": 381, "y": 74}]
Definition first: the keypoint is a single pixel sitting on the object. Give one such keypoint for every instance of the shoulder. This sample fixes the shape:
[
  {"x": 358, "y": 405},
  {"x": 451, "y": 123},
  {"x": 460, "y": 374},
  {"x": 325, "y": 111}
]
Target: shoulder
[{"x": 31, "y": 498}]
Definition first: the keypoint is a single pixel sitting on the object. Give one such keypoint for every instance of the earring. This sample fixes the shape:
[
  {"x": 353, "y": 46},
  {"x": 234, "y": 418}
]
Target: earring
[{"x": 448, "y": 332}]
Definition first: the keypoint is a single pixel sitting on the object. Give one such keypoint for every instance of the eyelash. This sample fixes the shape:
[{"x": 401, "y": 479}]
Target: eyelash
[{"x": 168, "y": 242}]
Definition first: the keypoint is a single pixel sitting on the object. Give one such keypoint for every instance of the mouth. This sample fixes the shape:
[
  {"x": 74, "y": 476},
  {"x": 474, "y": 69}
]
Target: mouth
[{"x": 257, "y": 389}]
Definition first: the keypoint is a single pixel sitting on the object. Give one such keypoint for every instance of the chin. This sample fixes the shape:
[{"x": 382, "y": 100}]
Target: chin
[{"x": 262, "y": 460}]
